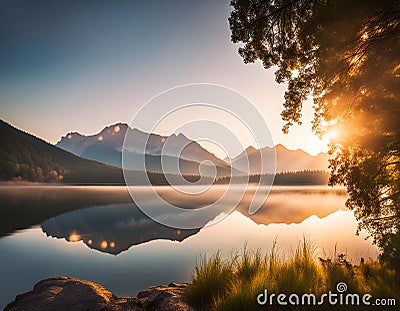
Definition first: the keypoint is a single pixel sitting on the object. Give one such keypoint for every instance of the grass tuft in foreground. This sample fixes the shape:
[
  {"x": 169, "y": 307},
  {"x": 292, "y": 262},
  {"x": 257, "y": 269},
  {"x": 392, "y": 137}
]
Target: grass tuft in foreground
[{"x": 235, "y": 283}]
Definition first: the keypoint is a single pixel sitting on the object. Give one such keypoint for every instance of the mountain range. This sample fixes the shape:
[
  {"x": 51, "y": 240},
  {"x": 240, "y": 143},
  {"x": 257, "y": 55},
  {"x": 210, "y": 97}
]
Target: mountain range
[
  {"x": 250, "y": 160},
  {"x": 97, "y": 158},
  {"x": 106, "y": 146},
  {"x": 28, "y": 158}
]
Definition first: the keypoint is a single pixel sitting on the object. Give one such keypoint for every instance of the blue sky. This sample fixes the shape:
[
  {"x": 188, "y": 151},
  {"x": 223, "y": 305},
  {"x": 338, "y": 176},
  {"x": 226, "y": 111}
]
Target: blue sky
[{"x": 81, "y": 65}]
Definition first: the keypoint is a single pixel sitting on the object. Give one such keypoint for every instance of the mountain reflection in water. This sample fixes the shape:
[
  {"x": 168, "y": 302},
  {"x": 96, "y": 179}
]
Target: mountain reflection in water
[{"x": 112, "y": 228}]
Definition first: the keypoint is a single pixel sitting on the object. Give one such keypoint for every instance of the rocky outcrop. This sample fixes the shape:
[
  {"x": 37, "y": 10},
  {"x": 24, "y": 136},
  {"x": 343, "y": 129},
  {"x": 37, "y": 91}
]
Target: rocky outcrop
[
  {"x": 163, "y": 297},
  {"x": 69, "y": 294}
]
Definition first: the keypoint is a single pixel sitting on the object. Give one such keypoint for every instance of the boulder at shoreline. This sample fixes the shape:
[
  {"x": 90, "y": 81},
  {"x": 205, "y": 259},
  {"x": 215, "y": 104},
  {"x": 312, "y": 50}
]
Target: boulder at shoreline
[{"x": 63, "y": 293}]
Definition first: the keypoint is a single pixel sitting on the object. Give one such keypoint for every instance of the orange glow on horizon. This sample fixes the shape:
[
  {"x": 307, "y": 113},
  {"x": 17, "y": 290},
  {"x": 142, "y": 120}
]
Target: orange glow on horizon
[
  {"x": 117, "y": 128},
  {"x": 100, "y": 138}
]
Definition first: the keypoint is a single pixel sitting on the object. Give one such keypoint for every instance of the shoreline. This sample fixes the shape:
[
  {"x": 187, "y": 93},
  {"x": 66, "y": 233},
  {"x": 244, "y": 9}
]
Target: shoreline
[{"x": 64, "y": 293}]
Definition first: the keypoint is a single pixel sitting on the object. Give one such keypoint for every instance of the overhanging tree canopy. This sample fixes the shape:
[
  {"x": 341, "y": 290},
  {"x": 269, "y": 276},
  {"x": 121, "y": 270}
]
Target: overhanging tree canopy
[{"x": 346, "y": 56}]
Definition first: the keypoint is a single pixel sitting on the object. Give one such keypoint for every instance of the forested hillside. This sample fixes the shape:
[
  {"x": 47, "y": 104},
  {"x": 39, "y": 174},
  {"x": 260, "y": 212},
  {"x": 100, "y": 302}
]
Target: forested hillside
[{"x": 25, "y": 157}]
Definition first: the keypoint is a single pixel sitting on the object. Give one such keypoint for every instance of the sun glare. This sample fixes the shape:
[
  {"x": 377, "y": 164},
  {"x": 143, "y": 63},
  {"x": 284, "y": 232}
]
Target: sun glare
[{"x": 331, "y": 135}]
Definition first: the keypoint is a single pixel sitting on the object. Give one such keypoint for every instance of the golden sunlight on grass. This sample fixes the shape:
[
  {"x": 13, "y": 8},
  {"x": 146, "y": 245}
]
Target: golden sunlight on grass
[
  {"x": 236, "y": 282},
  {"x": 364, "y": 36}
]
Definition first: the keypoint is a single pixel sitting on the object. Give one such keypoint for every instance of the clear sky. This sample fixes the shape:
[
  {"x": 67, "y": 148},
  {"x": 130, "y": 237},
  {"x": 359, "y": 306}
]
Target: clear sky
[{"x": 81, "y": 65}]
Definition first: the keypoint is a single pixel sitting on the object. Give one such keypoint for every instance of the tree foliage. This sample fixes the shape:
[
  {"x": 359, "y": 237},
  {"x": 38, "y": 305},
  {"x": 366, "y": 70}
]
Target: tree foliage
[{"x": 346, "y": 56}]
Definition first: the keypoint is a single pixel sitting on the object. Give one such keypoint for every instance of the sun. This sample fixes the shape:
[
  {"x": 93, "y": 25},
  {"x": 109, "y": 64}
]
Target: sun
[{"x": 332, "y": 135}]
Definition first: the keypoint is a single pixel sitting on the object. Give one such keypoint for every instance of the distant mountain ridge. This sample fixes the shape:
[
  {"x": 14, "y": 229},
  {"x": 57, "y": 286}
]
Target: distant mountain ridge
[
  {"x": 24, "y": 157},
  {"x": 286, "y": 160},
  {"x": 106, "y": 146},
  {"x": 28, "y": 158}
]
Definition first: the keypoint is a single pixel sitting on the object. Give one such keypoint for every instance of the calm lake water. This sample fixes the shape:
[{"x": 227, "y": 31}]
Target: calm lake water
[{"x": 96, "y": 233}]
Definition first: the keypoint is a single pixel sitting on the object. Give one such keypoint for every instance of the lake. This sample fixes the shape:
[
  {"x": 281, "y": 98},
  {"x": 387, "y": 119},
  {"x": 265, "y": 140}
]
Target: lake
[{"x": 97, "y": 233}]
